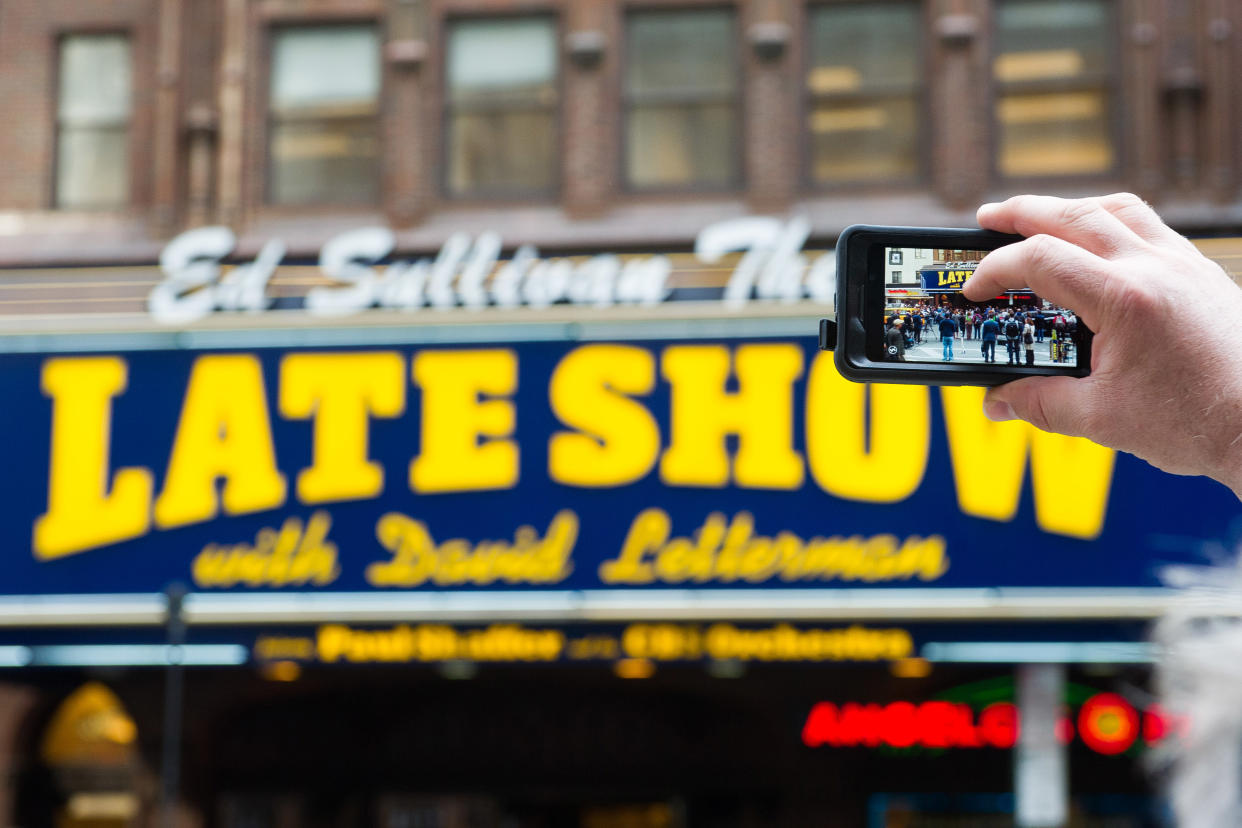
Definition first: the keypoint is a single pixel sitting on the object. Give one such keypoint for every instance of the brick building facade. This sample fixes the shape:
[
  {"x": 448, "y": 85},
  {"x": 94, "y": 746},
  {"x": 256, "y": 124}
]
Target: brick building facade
[
  {"x": 201, "y": 112},
  {"x": 579, "y": 126}
]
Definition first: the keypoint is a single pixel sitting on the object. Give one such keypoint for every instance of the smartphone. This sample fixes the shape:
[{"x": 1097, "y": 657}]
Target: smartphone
[{"x": 902, "y": 318}]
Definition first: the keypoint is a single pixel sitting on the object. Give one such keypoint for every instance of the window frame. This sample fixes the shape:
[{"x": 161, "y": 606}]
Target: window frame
[
  {"x": 268, "y": 120},
  {"x": 923, "y": 139},
  {"x": 1114, "y": 119},
  {"x": 493, "y": 195},
  {"x": 53, "y": 200},
  {"x": 738, "y": 177}
]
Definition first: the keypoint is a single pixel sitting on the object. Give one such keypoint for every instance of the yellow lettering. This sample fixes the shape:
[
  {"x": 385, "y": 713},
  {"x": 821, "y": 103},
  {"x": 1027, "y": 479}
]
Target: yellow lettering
[
  {"x": 224, "y": 432},
  {"x": 760, "y": 413},
  {"x": 722, "y": 551},
  {"x": 292, "y": 556},
  {"x": 618, "y": 440},
  {"x": 341, "y": 391},
  {"x": 1071, "y": 476},
  {"x": 785, "y": 642},
  {"x": 81, "y": 511},
  {"x": 331, "y": 642},
  {"x": 435, "y": 642},
  {"x": 272, "y": 647},
  {"x": 648, "y": 531},
  {"x": 661, "y": 642},
  {"x": 417, "y": 559},
  {"x": 881, "y": 464},
  {"x": 457, "y": 454}
]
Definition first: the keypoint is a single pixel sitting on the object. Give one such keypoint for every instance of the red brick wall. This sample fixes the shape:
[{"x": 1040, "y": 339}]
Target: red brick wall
[
  {"x": 1179, "y": 148},
  {"x": 29, "y": 33}
]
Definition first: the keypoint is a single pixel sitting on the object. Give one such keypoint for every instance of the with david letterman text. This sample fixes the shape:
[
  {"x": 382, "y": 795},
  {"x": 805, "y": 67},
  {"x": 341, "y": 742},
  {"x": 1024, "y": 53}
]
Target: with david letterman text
[{"x": 721, "y": 551}]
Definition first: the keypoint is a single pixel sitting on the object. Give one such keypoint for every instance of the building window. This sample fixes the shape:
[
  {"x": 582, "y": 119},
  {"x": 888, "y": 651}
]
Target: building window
[
  {"x": 323, "y": 144},
  {"x": 896, "y": 277},
  {"x": 1053, "y": 74},
  {"x": 502, "y": 107},
  {"x": 681, "y": 100},
  {"x": 92, "y": 121},
  {"x": 863, "y": 92}
]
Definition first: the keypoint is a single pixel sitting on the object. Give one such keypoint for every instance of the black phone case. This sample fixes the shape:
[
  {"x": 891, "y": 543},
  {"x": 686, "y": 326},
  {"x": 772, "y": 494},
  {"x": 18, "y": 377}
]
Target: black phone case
[{"x": 860, "y": 304}]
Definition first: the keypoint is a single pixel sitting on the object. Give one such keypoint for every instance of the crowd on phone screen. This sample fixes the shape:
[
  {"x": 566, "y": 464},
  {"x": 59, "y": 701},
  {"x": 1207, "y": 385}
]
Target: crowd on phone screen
[{"x": 1019, "y": 328}]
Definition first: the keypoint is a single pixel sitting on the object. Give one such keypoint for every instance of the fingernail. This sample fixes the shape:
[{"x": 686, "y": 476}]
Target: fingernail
[{"x": 998, "y": 411}]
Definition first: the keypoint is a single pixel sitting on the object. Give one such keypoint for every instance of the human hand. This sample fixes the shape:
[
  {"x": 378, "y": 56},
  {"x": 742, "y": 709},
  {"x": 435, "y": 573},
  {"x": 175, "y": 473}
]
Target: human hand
[{"x": 1166, "y": 362}]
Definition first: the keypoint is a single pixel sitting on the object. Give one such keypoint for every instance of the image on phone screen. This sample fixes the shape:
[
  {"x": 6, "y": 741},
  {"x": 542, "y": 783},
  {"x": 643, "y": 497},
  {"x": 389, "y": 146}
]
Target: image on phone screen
[{"x": 927, "y": 319}]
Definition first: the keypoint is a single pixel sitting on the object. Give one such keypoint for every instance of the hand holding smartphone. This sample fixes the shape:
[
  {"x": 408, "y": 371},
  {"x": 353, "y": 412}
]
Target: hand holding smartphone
[{"x": 922, "y": 330}]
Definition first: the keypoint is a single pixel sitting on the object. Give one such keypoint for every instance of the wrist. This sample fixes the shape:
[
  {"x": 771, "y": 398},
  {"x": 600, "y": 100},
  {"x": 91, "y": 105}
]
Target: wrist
[
  {"x": 1231, "y": 475},
  {"x": 1225, "y": 462}
]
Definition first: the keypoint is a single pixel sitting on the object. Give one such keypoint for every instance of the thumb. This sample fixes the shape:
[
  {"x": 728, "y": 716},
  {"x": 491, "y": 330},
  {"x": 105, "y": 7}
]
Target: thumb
[{"x": 1059, "y": 404}]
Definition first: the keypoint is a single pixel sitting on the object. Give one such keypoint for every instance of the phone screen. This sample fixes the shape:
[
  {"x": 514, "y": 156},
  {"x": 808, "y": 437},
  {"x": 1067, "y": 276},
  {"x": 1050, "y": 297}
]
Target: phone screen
[{"x": 926, "y": 318}]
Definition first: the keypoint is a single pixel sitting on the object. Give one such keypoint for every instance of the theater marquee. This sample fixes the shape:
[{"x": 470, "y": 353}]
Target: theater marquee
[{"x": 559, "y": 469}]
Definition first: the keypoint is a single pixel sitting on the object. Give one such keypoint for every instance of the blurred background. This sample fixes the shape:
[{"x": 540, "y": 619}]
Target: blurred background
[{"x": 413, "y": 416}]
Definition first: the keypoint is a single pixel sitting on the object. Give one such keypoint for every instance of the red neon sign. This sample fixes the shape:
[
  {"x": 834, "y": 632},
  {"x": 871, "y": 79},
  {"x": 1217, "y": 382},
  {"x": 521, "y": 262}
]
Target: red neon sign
[
  {"x": 1107, "y": 723},
  {"x": 1157, "y": 724},
  {"x": 933, "y": 724}
]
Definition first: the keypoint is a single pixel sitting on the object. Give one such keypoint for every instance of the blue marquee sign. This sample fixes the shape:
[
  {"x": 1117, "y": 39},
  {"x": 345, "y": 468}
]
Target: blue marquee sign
[{"x": 692, "y": 464}]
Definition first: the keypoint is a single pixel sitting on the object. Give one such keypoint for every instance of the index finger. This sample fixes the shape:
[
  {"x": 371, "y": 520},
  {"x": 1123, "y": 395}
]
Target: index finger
[
  {"x": 1139, "y": 216},
  {"x": 1082, "y": 221},
  {"x": 1053, "y": 268}
]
